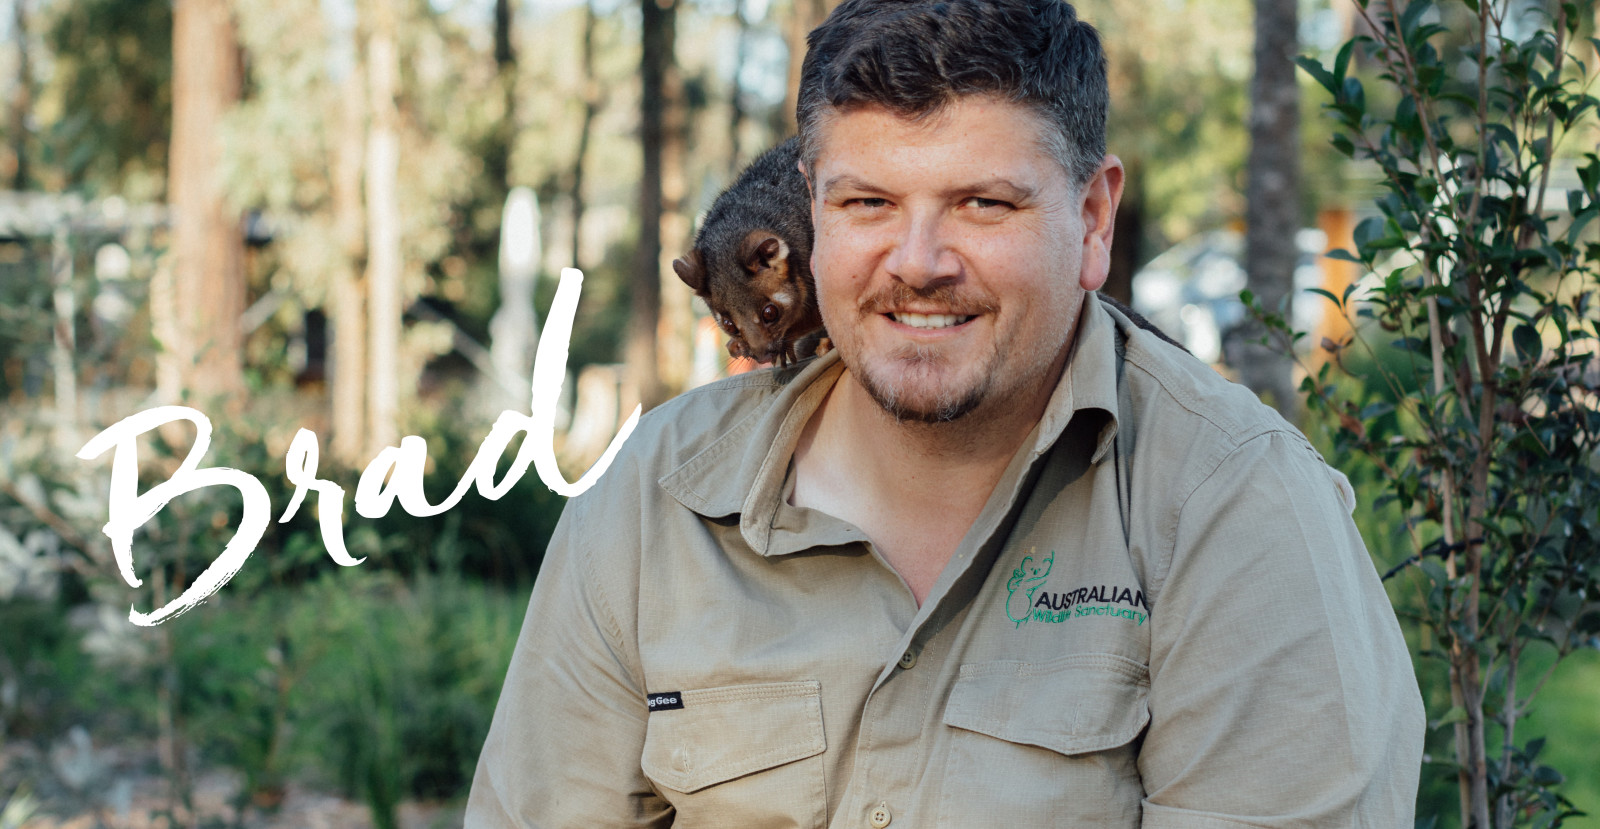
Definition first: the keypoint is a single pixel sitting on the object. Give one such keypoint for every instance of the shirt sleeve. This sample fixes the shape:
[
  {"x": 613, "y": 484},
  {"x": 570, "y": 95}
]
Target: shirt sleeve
[
  {"x": 563, "y": 749},
  {"x": 1281, "y": 691}
]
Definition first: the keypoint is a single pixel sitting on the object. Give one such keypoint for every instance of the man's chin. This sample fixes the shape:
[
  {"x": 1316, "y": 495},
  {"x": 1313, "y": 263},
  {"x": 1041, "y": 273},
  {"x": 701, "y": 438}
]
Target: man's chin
[{"x": 927, "y": 401}]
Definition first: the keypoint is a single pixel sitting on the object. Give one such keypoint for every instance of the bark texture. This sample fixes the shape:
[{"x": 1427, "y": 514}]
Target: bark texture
[
  {"x": 1273, "y": 197},
  {"x": 385, "y": 265},
  {"x": 658, "y": 34},
  {"x": 207, "y": 238},
  {"x": 348, "y": 388}
]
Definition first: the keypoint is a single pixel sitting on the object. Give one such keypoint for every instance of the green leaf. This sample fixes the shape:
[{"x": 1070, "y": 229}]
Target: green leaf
[
  {"x": 1341, "y": 62},
  {"x": 1413, "y": 13},
  {"x": 1353, "y": 95},
  {"x": 1316, "y": 70},
  {"x": 1343, "y": 255},
  {"x": 1454, "y": 715},
  {"x": 1527, "y": 342},
  {"x": 1546, "y": 776},
  {"x": 1579, "y": 222},
  {"x": 1435, "y": 571},
  {"x": 1370, "y": 229},
  {"x": 1378, "y": 409},
  {"x": 1320, "y": 292}
]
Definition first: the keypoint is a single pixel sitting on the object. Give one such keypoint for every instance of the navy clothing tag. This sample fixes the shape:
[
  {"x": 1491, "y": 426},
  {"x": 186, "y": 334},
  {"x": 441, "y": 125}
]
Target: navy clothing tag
[{"x": 665, "y": 701}]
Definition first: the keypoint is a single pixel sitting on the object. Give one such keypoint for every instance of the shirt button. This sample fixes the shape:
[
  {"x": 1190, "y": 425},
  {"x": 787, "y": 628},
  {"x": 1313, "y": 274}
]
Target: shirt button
[
  {"x": 881, "y": 816},
  {"x": 908, "y": 659}
]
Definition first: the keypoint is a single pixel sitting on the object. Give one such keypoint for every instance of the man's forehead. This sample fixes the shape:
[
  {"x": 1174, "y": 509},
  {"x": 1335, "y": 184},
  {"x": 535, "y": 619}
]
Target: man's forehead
[{"x": 851, "y": 155}]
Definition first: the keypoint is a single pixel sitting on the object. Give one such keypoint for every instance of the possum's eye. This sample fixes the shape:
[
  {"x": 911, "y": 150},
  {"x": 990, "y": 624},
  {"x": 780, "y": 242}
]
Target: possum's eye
[
  {"x": 770, "y": 313},
  {"x": 727, "y": 325}
]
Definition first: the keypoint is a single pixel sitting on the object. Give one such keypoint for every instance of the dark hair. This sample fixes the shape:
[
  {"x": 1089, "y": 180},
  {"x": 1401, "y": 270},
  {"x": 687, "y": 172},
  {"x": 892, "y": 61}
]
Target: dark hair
[{"x": 915, "y": 57}]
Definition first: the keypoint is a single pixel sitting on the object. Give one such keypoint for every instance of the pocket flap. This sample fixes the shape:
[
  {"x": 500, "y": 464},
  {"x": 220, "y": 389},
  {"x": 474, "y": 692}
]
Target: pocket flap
[
  {"x": 1071, "y": 705},
  {"x": 723, "y": 733}
]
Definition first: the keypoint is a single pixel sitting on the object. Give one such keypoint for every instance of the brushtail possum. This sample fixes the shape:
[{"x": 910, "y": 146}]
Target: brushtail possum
[{"x": 751, "y": 263}]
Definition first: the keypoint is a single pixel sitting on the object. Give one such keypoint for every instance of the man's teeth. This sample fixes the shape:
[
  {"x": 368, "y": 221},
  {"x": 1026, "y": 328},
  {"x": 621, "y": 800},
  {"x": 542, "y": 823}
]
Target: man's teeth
[{"x": 930, "y": 320}]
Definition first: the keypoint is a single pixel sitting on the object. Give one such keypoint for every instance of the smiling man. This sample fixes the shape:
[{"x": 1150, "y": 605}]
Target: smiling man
[{"x": 1001, "y": 558}]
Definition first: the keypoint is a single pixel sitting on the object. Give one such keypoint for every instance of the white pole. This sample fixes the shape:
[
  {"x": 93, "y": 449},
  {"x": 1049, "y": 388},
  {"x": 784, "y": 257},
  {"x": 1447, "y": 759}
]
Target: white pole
[{"x": 514, "y": 330}]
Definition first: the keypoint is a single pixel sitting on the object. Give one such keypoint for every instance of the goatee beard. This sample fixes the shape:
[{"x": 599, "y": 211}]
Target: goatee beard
[{"x": 947, "y": 406}]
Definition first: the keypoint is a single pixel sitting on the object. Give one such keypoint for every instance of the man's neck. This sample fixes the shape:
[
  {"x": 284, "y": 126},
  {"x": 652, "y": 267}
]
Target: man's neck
[{"x": 915, "y": 489}]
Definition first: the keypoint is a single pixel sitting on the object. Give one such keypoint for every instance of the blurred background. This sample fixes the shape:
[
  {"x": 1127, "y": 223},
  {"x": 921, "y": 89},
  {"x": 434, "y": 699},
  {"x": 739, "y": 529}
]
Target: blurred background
[{"x": 348, "y": 216}]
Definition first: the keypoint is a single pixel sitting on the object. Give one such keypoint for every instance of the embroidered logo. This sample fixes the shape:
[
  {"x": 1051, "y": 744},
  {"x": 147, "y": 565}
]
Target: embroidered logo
[
  {"x": 1028, "y": 577},
  {"x": 1025, "y": 602}
]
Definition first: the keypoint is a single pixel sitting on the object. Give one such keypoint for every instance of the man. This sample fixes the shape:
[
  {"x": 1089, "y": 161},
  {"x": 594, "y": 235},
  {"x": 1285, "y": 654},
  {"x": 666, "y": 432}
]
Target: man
[{"x": 1001, "y": 559}]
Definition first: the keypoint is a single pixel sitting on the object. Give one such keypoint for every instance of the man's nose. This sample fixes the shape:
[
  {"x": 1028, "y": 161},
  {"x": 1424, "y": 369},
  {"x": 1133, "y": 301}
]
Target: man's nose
[{"x": 921, "y": 256}]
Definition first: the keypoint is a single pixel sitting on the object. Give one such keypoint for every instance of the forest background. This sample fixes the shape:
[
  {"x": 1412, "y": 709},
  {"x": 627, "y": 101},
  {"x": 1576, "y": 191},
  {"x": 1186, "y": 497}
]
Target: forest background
[{"x": 378, "y": 195}]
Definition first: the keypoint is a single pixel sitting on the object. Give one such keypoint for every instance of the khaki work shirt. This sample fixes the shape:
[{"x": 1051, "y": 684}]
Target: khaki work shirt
[{"x": 1164, "y": 617}]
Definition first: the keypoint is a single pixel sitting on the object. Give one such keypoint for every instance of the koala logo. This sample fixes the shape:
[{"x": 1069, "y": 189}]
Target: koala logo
[{"x": 1030, "y": 576}]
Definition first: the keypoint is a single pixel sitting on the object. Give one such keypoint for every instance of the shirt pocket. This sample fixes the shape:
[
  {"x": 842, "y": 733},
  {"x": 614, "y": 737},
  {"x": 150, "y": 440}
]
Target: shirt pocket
[
  {"x": 1052, "y": 743},
  {"x": 741, "y": 755}
]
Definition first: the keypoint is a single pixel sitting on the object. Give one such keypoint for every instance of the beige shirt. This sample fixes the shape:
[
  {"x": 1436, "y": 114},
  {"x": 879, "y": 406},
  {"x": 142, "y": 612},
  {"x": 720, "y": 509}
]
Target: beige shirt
[{"x": 1164, "y": 617}]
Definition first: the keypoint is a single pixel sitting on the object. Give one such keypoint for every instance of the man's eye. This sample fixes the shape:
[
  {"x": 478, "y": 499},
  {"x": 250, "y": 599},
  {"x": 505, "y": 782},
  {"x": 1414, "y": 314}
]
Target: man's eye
[
  {"x": 987, "y": 204},
  {"x": 868, "y": 203}
]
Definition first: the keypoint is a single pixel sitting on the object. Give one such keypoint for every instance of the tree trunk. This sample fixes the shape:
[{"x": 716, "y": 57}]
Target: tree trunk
[
  {"x": 385, "y": 266},
  {"x": 658, "y": 33},
  {"x": 497, "y": 161},
  {"x": 675, "y": 329},
  {"x": 736, "y": 113},
  {"x": 21, "y": 97},
  {"x": 591, "y": 108},
  {"x": 207, "y": 238},
  {"x": 348, "y": 388},
  {"x": 804, "y": 16},
  {"x": 64, "y": 356},
  {"x": 1273, "y": 198}
]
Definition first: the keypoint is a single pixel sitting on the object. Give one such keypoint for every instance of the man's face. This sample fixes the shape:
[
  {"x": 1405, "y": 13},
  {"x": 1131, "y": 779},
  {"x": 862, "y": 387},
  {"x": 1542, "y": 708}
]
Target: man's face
[{"x": 952, "y": 255}]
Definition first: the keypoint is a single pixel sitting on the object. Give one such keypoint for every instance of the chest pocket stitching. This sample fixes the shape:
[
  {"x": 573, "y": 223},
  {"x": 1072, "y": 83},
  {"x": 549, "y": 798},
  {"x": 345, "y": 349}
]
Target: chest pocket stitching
[
  {"x": 730, "y": 722},
  {"x": 1025, "y": 702}
]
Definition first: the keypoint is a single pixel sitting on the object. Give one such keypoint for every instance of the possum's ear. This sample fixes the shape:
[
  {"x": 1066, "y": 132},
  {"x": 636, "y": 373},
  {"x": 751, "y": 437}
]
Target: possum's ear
[
  {"x": 761, "y": 249},
  {"x": 691, "y": 270}
]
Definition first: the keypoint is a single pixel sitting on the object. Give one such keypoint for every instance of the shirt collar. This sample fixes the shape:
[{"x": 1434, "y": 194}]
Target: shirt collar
[{"x": 744, "y": 472}]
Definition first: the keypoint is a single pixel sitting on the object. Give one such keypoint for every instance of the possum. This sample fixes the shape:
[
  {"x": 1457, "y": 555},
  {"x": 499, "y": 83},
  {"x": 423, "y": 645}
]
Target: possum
[{"x": 751, "y": 263}]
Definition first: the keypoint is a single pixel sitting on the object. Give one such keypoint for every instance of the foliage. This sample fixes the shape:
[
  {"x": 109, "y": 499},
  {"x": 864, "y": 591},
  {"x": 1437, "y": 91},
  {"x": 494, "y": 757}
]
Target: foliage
[
  {"x": 1178, "y": 115},
  {"x": 108, "y": 104},
  {"x": 25, "y": 325},
  {"x": 381, "y": 686},
  {"x": 380, "y": 679},
  {"x": 1489, "y": 428}
]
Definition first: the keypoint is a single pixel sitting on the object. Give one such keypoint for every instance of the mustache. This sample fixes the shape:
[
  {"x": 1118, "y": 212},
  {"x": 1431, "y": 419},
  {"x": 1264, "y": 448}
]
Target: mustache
[{"x": 958, "y": 300}]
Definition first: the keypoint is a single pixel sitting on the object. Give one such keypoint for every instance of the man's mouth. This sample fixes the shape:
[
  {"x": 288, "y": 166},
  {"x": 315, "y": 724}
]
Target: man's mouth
[{"x": 930, "y": 321}]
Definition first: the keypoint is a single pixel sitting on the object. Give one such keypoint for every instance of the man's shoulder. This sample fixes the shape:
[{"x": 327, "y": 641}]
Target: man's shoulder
[
  {"x": 1185, "y": 417},
  {"x": 1170, "y": 387},
  {"x": 691, "y": 423}
]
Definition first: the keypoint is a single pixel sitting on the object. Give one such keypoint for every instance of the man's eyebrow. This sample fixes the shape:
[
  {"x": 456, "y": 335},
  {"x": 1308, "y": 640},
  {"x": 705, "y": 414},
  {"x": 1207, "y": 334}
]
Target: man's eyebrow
[
  {"x": 1009, "y": 190},
  {"x": 999, "y": 186},
  {"x": 848, "y": 182}
]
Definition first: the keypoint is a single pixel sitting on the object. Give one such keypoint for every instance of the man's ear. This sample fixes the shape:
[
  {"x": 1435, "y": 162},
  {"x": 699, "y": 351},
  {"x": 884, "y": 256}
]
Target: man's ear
[{"x": 1101, "y": 195}]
